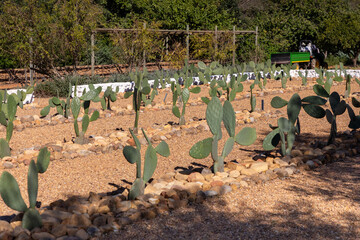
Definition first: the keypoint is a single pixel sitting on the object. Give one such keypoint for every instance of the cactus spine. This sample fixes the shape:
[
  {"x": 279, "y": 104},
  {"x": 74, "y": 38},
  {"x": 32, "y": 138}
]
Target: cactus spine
[
  {"x": 10, "y": 192},
  {"x": 215, "y": 114},
  {"x": 132, "y": 155}
]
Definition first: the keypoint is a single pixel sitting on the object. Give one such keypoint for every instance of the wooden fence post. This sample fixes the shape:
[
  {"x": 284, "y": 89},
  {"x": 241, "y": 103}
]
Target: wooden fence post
[
  {"x": 216, "y": 42},
  {"x": 92, "y": 54},
  {"x": 144, "y": 52},
  {"x": 256, "y": 43},
  {"x": 187, "y": 43},
  {"x": 167, "y": 45},
  {"x": 31, "y": 63},
  {"x": 234, "y": 46}
]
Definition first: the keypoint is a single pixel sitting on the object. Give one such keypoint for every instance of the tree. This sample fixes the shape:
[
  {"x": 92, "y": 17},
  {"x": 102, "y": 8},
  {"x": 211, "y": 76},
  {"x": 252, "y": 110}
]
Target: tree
[
  {"x": 342, "y": 31},
  {"x": 48, "y": 33}
]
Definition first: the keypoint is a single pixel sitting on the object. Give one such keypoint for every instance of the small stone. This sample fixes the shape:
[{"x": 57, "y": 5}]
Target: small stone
[
  {"x": 5, "y": 226},
  {"x": 195, "y": 177},
  {"x": 135, "y": 216},
  {"x": 200, "y": 197},
  {"x": 260, "y": 166},
  {"x": 222, "y": 174},
  {"x": 123, "y": 206},
  {"x": 181, "y": 177},
  {"x": 211, "y": 193},
  {"x": 281, "y": 162},
  {"x": 296, "y": 153},
  {"x": 104, "y": 209},
  {"x": 8, "y": 165},
  {"x": 19, "y": 230},
  {"x": 281, "y": 172},
  {"x": 232, "y": 165},
  {"x": 311, "y": 164},
  {"x": 100, "y": 220},
  {"x": 27, "y": 118},
  {"x": 206, "y": 171},
  {"x": 82, "y": 234},
  {"x": 217, "y": 183},
  {"x": 5, "y": 236},
  {"x": 225, "y": 189},
  {"x": 248, "y": 171},
  {"x": 149, "y": 214},
  {"x": 153, "y": 201},
  {"x": 244, "y": 184},
  {"x": 79, "y": 220},
  {"x": 234, "y": 174},
  {"x": 42, "y": 236},
  {"x": 59, "y": 230}
]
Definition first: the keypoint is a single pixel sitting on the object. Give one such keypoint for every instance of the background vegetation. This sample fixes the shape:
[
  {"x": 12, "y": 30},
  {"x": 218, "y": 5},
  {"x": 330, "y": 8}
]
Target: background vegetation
[{"x": 55, "y": 33}]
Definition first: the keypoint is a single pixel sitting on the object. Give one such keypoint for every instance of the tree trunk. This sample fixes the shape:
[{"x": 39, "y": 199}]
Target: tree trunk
[{"x": 356, "y": 57}]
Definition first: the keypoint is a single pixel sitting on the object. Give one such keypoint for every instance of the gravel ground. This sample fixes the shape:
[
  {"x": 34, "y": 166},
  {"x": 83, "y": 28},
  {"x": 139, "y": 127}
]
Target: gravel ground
[
  {"x": 321, "y": 204},
  {"x": 317, "y": 205}
]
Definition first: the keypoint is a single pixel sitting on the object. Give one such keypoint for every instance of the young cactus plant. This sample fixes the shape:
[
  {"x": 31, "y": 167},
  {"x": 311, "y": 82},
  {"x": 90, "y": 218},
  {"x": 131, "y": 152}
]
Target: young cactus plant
[
  {"x": 303, "y": 77},
  {"x": 337, "y": 108},
  {"x": 109, "y": 96},
  {"x": 215, "y": 114},
  {"x": 10, "y": 192},
  {"x": 354, "y": 119},
  {"x": 348, "y": 86},
  {"x": 206, "y": 72},
  {"x": 76, "y": 105},
  {"x": 132, "y": 155},
  {"x": 7, "y": 115},
  {"x": 181, "y": 96},
  {"x": 141, "y": 87},
  {"x": 62, "y": 107},
  {"x": 288, "y": 128}
]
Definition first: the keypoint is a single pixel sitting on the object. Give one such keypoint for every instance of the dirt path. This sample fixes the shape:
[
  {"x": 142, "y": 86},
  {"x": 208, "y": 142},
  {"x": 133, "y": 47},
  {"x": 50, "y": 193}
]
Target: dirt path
[{"x": 323, "y": 204}]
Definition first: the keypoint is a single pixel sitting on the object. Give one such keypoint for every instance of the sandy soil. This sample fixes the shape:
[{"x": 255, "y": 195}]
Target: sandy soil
[{"x": 317, "y": 205}]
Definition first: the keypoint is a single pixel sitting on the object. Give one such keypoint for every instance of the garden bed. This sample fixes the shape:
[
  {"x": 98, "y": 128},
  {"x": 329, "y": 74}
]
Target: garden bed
[{"x": 108, "y": 175}]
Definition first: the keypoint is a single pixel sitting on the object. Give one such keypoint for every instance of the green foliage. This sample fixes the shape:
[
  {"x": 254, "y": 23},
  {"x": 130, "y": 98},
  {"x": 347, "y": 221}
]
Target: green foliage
[
  {"x": 132, "y": 155},
  {"x": 181, "y": 94},
  {"x": 10, "y": 192},
  {"x": 55, "y": 32},
  {"x": 141, "y": 93},
  {"x": 109, "y": 96},
  {"x": 215, "y": 114},
  {"x": 337, "y": 108},
  {"x": 62, "y": 107},
  {"x": 287, "y": 129}
]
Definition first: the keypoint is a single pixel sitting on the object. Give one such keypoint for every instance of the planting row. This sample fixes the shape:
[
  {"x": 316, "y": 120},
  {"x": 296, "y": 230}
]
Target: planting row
[{"x": 217, "y": 114}]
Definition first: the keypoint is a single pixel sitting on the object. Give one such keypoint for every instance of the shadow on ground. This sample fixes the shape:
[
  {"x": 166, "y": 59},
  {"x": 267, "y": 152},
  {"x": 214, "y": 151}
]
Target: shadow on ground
[{"x": 297, "y": 220}]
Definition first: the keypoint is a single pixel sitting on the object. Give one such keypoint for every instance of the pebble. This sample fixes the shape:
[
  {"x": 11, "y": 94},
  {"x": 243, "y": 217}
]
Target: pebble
[
  {"x": 211, "y": 193},
  {"x": 310, "y": 163},
  {"x": 5, "y": 226}
]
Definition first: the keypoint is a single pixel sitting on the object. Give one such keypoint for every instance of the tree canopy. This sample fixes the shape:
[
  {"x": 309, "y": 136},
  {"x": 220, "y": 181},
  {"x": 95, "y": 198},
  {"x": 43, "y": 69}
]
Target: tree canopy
[{"x": 57, "y": 32}]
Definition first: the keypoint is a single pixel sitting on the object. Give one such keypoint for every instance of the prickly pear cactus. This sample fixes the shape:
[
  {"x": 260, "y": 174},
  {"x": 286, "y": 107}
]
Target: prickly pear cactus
[
  {"x": 215, "y": 114},
  {"x": 62, "y": 107},
  {"x": 132, "y": 155},
  {"x": 287, "y": 129},
  {"x": 337, "y": 107},
  {"x": 10, "y": 192},
  {"x": 181, "y": 95}
]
